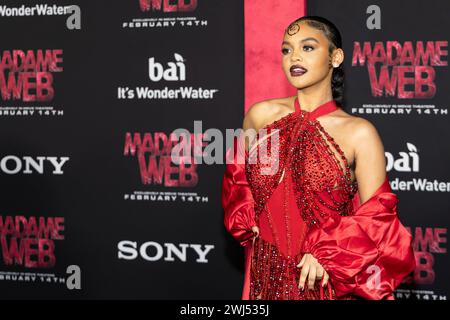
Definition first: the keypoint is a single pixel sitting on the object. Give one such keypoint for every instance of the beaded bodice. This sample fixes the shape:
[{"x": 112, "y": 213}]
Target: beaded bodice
[
  {"x": 298, "y": 176},
  {"x": 318, "y": 167}
]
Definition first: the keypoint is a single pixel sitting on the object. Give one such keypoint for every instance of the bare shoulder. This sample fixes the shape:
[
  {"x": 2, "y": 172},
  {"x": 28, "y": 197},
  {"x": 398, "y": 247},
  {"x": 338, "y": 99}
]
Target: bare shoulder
[
  {"x": 352, "y": 132},
  {"x": 363, "y": 129},
  {"x": 356, "y": 127},
  {"x": 365, "y": 137},
  {"x": 263, "y": 112}
]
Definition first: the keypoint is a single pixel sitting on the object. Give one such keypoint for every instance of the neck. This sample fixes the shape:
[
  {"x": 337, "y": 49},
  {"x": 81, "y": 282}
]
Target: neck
[{"x": 312, "y": 97}]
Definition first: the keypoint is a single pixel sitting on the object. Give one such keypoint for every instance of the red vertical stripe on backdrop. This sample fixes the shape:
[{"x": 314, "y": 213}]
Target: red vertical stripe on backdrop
[{"x": 265, "y": 21}]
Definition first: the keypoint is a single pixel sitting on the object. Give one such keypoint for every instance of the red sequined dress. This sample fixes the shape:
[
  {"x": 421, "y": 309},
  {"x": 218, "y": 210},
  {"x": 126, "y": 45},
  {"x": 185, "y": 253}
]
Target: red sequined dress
[{"x": 303, "y": 199}]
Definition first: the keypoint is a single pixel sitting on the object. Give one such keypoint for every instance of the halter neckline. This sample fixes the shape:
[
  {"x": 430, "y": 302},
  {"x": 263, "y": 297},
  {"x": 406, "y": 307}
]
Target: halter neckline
[{"x": 321, "y": 110}]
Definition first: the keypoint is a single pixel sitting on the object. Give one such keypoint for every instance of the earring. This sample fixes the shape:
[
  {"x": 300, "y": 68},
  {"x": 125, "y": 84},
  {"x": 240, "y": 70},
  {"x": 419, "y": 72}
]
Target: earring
[{"x": 335, "y": 65}]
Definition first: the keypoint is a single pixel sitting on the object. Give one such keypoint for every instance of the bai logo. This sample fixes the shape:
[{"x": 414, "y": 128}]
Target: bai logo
[
  {"x": 154, "y": 251},
  {"x": 175, "y": 71},
  {"x": 407, "y": 162}
]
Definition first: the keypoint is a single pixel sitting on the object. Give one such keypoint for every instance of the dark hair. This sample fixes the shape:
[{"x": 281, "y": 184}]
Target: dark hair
[{"x": 334, "y": 37}]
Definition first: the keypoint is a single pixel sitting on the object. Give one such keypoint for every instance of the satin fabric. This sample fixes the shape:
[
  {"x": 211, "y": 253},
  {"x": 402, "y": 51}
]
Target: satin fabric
[{"x": 367, "y": 254}]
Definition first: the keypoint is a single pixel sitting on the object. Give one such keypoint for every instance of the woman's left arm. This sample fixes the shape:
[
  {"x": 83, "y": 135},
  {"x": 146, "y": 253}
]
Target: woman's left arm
[{"x": 370, "y": 170}]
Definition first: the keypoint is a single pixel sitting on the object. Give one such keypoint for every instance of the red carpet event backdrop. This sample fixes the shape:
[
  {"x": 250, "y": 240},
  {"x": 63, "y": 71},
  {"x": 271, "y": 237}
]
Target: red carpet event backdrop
[{"x": 92, "y": 207}]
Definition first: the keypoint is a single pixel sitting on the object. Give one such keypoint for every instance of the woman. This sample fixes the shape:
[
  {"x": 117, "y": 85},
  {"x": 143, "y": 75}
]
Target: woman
[{"x": 324, "y": 224}]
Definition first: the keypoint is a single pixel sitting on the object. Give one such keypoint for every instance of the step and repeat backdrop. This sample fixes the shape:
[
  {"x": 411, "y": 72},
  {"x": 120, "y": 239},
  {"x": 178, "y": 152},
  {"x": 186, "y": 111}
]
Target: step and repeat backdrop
[
  {"x": 396, "y": 63},
  {"x": 93, "y": 93}
]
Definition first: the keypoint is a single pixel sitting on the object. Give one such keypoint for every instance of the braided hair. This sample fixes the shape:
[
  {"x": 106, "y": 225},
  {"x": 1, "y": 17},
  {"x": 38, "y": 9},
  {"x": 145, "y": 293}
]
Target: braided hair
[{"x": 334, "y": 37}]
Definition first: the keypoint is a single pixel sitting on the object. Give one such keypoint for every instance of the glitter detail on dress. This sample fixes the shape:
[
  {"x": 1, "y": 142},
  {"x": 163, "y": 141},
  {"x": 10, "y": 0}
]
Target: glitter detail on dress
[{"x": 313, "y": 182}]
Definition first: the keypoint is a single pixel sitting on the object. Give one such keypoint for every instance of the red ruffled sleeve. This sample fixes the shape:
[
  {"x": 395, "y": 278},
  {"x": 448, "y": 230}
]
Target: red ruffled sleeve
[
  {"x": 367, "y": 254},
  {"x": 237, "y": 199}
]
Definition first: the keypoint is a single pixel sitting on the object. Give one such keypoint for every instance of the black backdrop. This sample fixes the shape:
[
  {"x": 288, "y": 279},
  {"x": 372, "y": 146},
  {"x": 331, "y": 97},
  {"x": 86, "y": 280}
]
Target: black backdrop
[
  {"x": 415, "y": 140},
  {"x": 91, "y": 132},
  {"x": 91, "y": 123}
]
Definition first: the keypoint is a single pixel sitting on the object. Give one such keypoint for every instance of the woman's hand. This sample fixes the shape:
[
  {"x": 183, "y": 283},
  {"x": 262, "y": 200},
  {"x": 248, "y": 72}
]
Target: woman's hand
[
  {"x": 312, "y": 270},
  {"x": 255, "y": 230}
]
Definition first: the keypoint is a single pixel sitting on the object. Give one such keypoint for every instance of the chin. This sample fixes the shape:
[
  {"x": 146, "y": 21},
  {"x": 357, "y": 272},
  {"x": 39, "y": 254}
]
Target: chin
[{"x": 298, "y": 84}]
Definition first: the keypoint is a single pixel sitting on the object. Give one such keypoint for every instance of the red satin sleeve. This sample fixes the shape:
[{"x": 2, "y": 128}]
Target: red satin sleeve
[
  {"x": 367, "y": 254},
  {"x": 237, "y": 201}
]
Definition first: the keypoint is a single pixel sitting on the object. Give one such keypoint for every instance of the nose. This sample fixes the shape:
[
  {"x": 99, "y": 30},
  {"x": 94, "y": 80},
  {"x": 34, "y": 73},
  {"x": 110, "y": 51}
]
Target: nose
[{"x": 296, "y": 56}]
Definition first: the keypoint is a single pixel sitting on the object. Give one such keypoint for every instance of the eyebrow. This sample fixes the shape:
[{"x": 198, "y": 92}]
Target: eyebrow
[{"x": 303, "y": 40}]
